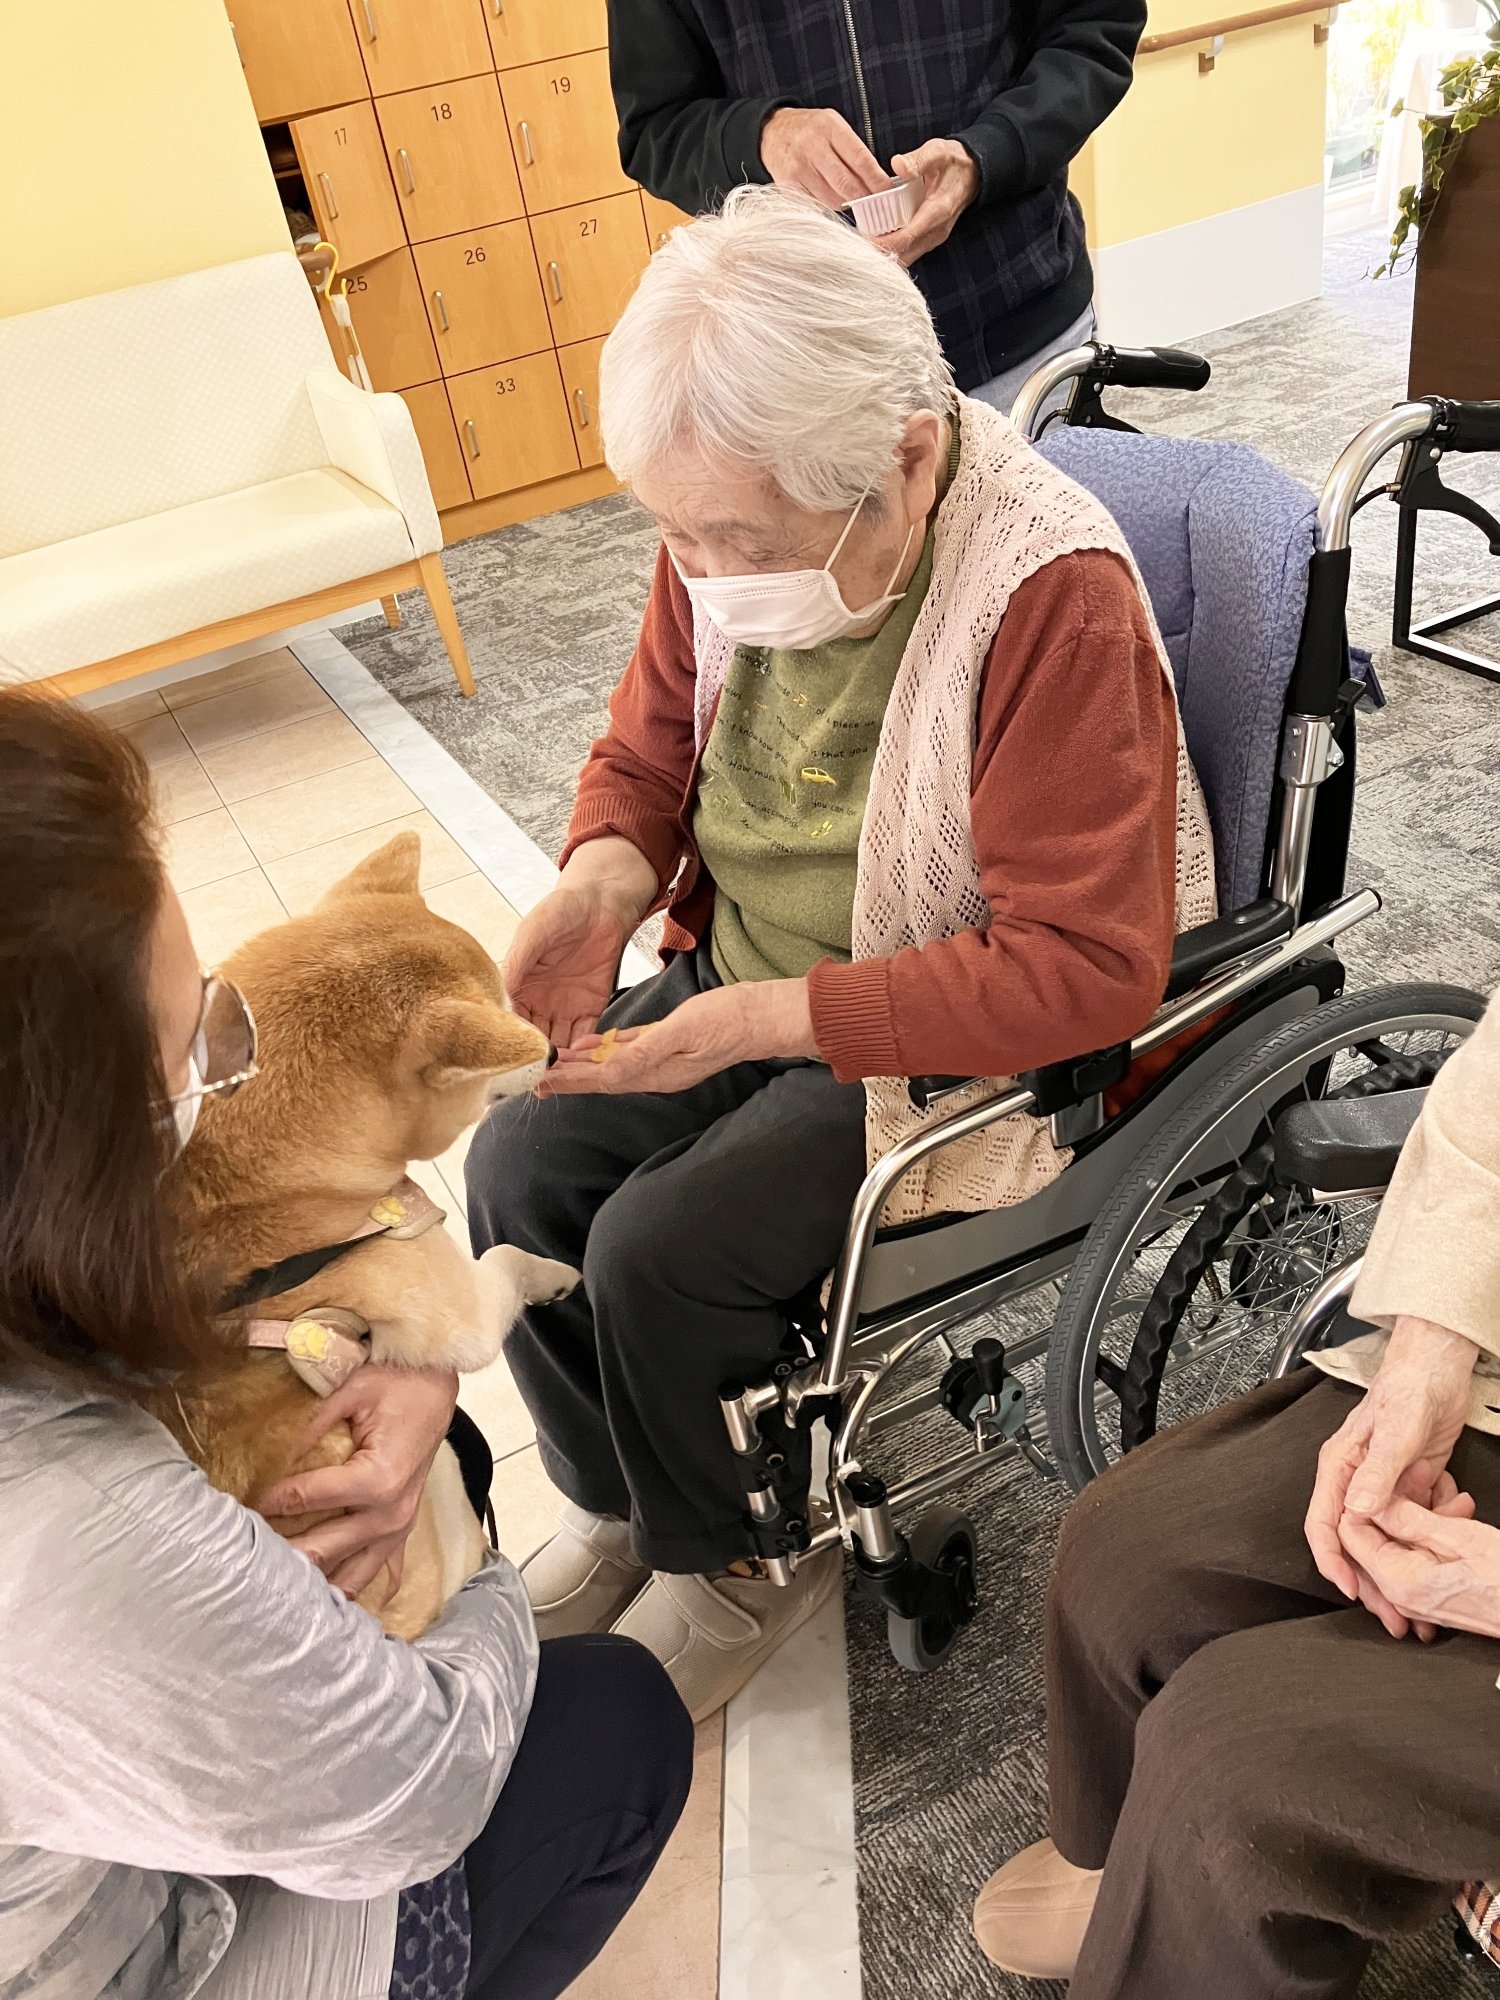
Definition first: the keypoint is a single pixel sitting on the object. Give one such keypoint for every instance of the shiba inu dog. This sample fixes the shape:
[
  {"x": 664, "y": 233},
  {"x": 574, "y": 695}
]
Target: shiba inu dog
[{"x": 384, "y": 1031}]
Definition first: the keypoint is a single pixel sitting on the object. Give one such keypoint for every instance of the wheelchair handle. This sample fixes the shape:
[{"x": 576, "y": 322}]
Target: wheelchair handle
[
  {"x": 1153, "y": 368},
  {"x": 1464, "y": 426}
]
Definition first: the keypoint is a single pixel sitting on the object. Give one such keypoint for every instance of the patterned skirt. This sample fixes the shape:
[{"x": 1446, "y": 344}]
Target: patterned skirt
[{"x": 432, "y": 1939}]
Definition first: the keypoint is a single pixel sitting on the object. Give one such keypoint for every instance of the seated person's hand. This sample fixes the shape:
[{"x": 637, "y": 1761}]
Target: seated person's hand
[
  {"x": 819, "y": 153},
  {"x": 399, "y": 1417},
  {"x": 565, "y": 957},
  {"x": 949, "y": 180},
  {"x": 1436, "y": 1566},
  {"x": 758, "y": 1020},
  {"x": 1396, "y": 1442}
]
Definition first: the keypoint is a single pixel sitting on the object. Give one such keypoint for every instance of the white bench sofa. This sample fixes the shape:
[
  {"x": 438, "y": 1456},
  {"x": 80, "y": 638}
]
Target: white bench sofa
[{"x": 182, "y": 467}]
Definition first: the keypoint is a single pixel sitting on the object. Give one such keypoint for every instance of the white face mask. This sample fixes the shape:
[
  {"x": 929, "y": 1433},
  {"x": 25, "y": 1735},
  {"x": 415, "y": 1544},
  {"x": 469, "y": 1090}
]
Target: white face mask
[{"x": 792, "y": 609}]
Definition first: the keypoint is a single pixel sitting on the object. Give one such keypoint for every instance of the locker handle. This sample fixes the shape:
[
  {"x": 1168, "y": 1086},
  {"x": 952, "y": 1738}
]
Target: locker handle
[
  {"x": 499, "y": 7},
  {"x": 528, "y": 148},
  {"x": 556, "y": 277},
  {"x": 442, "y": 311},
  {"x": 328, "y": 196},
  {"x": 406, "y": 173},
  {"x": 583, "y": 408},
  {"x": 370, "y": 22},
  {"x": 473, "y": 436}
]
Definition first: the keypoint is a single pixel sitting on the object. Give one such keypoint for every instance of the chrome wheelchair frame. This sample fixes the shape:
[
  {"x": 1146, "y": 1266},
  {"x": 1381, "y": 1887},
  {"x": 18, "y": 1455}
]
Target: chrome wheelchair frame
[{"x": 868, "y": 1332}]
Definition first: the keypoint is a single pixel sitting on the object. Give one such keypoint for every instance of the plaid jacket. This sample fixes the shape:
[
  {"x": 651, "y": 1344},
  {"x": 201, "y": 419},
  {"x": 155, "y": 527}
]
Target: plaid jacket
[{"x": 1021, "y": 86}]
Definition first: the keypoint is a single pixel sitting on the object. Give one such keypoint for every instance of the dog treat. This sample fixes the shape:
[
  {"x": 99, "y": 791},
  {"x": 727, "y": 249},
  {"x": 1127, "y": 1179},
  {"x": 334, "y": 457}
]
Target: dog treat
[{"x": 608, "y": 1039}]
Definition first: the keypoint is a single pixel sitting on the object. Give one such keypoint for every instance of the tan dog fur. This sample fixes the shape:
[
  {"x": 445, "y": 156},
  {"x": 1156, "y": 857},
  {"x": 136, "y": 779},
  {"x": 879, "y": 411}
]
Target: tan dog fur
[{"x": 384, "y": 1033}]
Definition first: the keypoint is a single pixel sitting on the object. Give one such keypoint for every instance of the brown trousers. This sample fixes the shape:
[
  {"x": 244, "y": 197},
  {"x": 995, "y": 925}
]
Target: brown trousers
[{"x": 1268, "y": 1780}]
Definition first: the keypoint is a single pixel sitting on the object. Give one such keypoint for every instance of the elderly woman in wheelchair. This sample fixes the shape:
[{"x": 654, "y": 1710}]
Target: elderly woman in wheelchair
[
  {"x": 1272, "y": 1717},
  {"x": 899, "y": 753}
]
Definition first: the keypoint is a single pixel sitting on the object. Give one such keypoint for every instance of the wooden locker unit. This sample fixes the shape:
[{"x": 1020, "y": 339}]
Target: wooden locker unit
[
  {"x": 484, "y": 297},
  {"x": 529, "y": 31},
  {"x": 409, "y": 43},
  {"x": 297, "y": 59},
  {"x": 348, "y": 184},
  {"x": 449, "y": 157},
  {"x": 661, "y": 218},
  {"x": 385, "y": 303},
  {"x": 590, "y": 258},
  {"x": 562, "y": 124},
  {"x": 433, "y": 422},
  {"x": 580, "y": 373},
  {"x": 462, "y": 157},
  {"x": 513, "y": 424}
]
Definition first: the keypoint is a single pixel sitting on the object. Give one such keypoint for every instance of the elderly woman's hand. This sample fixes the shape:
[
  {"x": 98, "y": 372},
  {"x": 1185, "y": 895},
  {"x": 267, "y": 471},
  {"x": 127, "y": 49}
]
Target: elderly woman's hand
[
  {"x": 564, "y": 958},
  {"x": 755, "y": 1021},
  {"x": 1437, "y": 1567}
]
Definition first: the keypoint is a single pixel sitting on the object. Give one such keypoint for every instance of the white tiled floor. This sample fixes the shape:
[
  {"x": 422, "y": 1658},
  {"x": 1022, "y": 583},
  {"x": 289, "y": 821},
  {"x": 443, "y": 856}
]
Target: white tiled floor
[{"x": 269, "y": 793}]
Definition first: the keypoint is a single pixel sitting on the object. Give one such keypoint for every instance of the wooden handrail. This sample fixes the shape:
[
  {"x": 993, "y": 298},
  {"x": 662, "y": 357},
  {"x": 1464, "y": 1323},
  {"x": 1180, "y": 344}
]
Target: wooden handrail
[{"x": 1231, "y": 24}]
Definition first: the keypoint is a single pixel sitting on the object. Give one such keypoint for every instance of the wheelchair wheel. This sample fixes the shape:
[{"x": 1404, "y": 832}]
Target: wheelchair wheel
[
  {"x": 1184, "y": 1285},
  {"x": 943, "y": 1540}
]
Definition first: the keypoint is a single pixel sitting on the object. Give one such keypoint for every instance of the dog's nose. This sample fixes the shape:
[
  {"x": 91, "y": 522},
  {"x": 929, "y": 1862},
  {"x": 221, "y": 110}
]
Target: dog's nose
[{"x": 551, "y": 1054}]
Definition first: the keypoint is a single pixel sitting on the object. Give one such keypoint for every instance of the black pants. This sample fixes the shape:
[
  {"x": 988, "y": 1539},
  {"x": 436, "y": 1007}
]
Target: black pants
[
  {"x": 692, "y": 1215},
  {"x": 1266, "y": 1778},
  {"x": 598, "y": 1783}
]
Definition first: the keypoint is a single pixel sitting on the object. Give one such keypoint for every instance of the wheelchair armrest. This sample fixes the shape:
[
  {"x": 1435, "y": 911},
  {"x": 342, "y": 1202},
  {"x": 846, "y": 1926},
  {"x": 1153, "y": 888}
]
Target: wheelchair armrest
[
  {"x": 1346, "y": 1143},
  {"x": 1208, "y": 948}
]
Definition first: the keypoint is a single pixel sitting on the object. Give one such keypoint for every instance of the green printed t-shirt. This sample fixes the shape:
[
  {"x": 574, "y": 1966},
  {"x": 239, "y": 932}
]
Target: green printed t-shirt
[{"x": 782, "y": 793}]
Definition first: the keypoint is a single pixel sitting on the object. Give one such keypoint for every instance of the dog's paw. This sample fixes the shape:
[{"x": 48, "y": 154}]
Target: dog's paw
[{"x": 547, "y": 1281}]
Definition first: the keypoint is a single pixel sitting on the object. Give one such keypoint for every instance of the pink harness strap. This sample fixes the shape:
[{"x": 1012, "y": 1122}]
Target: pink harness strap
[{"x": 326, "y": 1344}]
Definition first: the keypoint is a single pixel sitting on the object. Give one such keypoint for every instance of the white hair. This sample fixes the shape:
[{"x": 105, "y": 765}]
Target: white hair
[{"x": 772, "y": 335}]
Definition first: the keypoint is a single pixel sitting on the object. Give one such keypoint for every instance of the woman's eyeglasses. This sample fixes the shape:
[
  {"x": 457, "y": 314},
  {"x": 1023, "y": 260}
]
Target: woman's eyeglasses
[{"x": 223, "y": 1052}]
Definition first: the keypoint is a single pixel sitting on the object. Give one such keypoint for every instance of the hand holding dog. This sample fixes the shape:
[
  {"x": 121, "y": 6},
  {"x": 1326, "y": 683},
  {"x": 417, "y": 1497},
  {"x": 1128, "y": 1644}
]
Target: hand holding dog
[
  {"x": 758, "y": 1020},
  {"x": 398, "y": 1417}
]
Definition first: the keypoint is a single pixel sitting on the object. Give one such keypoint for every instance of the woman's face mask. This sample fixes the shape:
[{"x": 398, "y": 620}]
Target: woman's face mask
[
  {"x": 223, "y": 1055},
  {"x": 792, "y": 609}
]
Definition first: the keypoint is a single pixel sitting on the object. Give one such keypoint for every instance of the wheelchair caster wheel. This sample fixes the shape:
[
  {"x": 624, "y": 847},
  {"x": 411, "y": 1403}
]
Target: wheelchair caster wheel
[{"x": 943, "y": 1541}]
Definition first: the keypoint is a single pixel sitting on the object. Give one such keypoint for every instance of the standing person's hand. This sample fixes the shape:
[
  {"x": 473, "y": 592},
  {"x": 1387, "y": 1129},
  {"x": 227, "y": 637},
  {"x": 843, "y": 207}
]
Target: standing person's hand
[
  {"x": 565, "y": 956},
  {"x": 819, "y": 153},
  {"x": 949, "y": 181},
  {"x": 1395, "y": 1442}
]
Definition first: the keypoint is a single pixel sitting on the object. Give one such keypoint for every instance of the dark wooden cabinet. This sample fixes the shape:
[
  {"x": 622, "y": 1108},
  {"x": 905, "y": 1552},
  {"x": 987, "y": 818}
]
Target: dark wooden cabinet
[{"x": 1455, "y": 332}]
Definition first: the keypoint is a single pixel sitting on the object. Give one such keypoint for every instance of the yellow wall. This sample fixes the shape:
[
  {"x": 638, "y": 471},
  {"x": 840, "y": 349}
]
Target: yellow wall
[
  {"x": 128, "y": 148},
  {"x": 1183, "y": 146}
]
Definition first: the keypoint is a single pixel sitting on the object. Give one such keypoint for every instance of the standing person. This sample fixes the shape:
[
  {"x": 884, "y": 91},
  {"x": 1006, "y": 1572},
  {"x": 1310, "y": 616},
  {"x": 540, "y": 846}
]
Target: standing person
[
  {"x": 218, "y": 1777},
  {"x": 982, "y": 105}
]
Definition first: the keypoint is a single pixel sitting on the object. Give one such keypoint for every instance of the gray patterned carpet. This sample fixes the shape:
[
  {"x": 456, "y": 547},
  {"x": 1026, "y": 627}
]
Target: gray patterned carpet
[{"x": 948, "y": 1771}]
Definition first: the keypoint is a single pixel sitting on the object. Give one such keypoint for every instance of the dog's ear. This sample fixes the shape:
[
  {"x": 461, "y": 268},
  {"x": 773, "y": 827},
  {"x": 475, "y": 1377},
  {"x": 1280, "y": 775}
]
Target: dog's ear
[
  {"x": 460, "y": 1039},
  {"x": 391, "y": 870}
]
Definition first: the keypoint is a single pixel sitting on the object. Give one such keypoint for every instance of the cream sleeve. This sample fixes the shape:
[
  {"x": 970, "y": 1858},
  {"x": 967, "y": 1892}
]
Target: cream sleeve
[{"x": 1435, "y": 1249}]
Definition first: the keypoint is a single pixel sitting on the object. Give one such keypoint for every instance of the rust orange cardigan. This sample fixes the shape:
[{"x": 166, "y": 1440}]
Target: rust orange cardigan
[{"x": 1073, "y": 819}]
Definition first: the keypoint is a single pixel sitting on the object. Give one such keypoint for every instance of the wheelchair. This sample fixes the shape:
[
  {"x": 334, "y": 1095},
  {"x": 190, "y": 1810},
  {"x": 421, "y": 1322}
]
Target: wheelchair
[{"x": 1160, "y": 1272}]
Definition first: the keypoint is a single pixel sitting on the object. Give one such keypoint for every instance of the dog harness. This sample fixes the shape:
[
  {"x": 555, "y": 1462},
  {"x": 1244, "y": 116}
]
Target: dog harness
[{"x": 326, "y": 1344}]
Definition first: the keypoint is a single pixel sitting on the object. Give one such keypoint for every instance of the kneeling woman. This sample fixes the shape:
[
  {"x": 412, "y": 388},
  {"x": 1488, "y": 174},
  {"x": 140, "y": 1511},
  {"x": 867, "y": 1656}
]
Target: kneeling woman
[
  {"x": 218, "y": 1777},
  {"x": 899, "y": 753}
]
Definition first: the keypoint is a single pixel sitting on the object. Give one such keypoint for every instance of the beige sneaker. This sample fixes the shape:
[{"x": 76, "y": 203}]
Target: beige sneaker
[
  {"x": 712, "y": 1633},
  {"x": 1030, "y": 1917},
  {"x": 584, "y": 1577}
]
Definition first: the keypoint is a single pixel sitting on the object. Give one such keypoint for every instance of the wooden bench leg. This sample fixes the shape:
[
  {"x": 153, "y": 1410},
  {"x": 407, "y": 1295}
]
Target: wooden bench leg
[
  {"x": 392, "y": 612},
  {"x": 436, "y": 586}
]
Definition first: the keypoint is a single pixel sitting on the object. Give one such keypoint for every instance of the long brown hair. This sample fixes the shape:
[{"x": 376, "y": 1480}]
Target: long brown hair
[{"x": 89, "y": 1287}]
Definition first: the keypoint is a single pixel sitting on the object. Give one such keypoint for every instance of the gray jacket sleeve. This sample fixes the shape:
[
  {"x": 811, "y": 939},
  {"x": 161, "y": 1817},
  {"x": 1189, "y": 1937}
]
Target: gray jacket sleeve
[{"x": 188, "y": 1693}]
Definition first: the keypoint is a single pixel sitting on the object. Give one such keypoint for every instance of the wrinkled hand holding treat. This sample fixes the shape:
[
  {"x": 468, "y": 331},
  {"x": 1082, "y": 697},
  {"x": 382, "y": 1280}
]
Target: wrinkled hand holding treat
[{"x": 609, "y": 1038}]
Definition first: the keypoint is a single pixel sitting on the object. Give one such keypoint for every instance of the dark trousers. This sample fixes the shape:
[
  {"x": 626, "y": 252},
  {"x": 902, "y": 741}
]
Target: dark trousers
[
  {"x": 597, "y": 1785},
  {"x": 691, "y": 1215},
  {"x": 1268, "y": 1780}
]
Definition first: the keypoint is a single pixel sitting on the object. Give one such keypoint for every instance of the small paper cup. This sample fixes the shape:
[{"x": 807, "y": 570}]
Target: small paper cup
[{"x": 892, "y": 208}]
